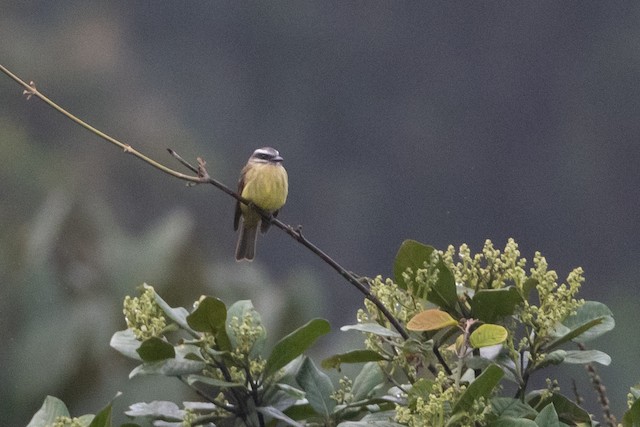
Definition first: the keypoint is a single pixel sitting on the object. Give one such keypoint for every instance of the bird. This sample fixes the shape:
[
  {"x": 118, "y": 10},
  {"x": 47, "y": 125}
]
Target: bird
[{"x": 263, "y": 182}]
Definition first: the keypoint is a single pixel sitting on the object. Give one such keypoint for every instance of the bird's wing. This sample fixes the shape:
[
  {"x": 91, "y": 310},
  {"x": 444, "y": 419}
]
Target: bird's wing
[{"x": 238, "y": 213}]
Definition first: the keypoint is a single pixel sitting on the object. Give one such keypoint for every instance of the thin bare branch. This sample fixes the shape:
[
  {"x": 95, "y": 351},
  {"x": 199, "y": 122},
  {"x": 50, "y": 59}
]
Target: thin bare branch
[{"x": 202, "y": 176}]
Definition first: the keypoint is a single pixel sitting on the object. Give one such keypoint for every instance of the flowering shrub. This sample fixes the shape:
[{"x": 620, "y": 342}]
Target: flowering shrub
[{"x": 471, "y": 323}]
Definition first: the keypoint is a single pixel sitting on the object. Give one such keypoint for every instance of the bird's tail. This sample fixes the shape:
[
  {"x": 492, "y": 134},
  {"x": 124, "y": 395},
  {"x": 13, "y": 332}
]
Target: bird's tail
[{"x": 246, "y": 248}]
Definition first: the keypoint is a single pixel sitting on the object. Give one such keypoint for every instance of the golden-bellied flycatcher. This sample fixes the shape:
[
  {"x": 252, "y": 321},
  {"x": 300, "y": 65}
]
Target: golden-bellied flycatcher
[{"x": 264, "y": 182}]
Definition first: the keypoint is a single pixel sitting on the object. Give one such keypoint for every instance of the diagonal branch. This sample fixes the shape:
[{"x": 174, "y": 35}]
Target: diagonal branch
[{"x": 202, "y": 177}]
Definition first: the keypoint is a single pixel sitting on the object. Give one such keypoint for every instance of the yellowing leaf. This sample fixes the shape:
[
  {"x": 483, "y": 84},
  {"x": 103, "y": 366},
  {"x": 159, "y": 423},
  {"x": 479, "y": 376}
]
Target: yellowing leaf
[
  {"x": 431, "y": 320},
  {"x": 487, "y": 335}
]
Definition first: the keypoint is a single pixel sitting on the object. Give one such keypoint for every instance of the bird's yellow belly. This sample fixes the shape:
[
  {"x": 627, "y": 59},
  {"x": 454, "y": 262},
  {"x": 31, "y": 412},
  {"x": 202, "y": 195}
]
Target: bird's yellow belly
[{"x": 266, "y": 186}]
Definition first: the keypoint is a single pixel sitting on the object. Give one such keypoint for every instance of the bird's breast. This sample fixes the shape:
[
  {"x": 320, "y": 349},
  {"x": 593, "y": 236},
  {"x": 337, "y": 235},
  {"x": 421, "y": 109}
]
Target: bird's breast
[{"x": 266, "y": 186}]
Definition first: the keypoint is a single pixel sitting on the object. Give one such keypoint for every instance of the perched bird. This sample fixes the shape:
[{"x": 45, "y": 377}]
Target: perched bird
[{"x": 264, "y": 182}]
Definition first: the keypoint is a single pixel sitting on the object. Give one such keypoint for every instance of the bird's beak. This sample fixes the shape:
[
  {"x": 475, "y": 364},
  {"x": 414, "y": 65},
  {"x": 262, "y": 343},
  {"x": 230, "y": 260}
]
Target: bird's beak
[{"x": 278, "y": 159}]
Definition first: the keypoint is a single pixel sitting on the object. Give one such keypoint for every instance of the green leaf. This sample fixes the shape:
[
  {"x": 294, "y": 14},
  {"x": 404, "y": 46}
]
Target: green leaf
[
  {"x": 177, "y": 315},
  {"x": 355, "y": 356},
  {"x": 374, "y": 419},
  {"x": 513, "y": 422},
  {"x": 126, "y": 343},
  {"x": 367, "y": 382},
  {"x": 444, "y": 293},
  {"x": 591, "y": 320},
  {"x": 167, "y": 411},
  {"x": 48, "y": 412},
  {"x": 272, "y": 412},
  {"x": 631, "y": 418},
  {"x": 491, "y": 305},
  {"x": 481, "y": 387},
  {"x": 154, "y": 349},
  {"x": 240, "y": 310},
  {"x": 193, "y": 379},
  {"x": 568, "y": 412},
  {"x": 487, "y": 335},
  {"x": 548, "y": 417},
  {"x": 431, "y": 320},
  {"x": 554, "y": 358},
  {"x": 103, "y": 418},
  {"x": 509, "y": 407},
  {"x": 583, "y": 357},
  {"x": 318, "y": 388},
  {"x": 412, "y": 255},
  {"x": 372, "y": 328},
  {"x": 169, "y": 368},
  {"x": 589, "y": 311},
  {"x": 294, "y": 344},
  {"x": 210, "y": 316}
]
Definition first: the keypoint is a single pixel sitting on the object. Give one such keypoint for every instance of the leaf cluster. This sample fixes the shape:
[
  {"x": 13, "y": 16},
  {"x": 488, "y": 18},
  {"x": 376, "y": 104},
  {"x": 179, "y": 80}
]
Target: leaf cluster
[{"x": 474, "y": 324}]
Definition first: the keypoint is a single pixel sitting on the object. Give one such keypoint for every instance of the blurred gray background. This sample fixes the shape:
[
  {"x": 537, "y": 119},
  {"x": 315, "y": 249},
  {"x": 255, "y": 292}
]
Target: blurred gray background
[{"x": 444, "y": 122}]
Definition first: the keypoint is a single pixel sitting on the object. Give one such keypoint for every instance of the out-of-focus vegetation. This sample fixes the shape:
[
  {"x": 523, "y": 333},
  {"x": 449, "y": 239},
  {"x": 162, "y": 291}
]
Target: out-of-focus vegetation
[{"x": 444, "y": 123}]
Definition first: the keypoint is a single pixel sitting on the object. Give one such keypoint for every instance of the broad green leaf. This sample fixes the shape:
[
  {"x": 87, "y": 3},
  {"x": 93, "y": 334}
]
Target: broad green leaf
[
  {"x": 487, "y": 335},
  {"x": 154, "y": 349},
  {"x": 318, "y": 388},
  {"x": 548, "y": 417},
  {"x": 294, "y": 344},
  {"x": 556, "y": 357},
  {"x": 481, "y": 387},
  {"x": 51, "y": 408},
  {"x": 565, "y": 334},
  {"x": 169, "y": 368},
  {"x": 587, "y": 356},
  {"x": 513, "y": 422},
  {"x": 591, "y": 320},
  {"x": 371, "y": 328},
  {"x": 210, "y": 316},
  {"x": 491, "y": 305},
  {"x": 177, "y": 315},
  {"x": 431, "y": 320},
  {"x": 444, "y": 293},
  {"x": 510, "y": 407},
  {"x": 167, "y": 411},
  {"x": 367, "y": 382},
  {"x": 411, "y": 255},
  {"x": 589, "y": 311},
  {"x": 102, "y": 418},
  {"x": 568, "y": 411},
  {"x": 126, "y": 343},
  {"x": 272, "y": 412},
  {"x": 300, "y": 412},
  {"x": 374, "y": 419},
  {"x": 193, "y": 379},
  {"x": 631, "y": 418},
  {"x": 356, "y": 356}
]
